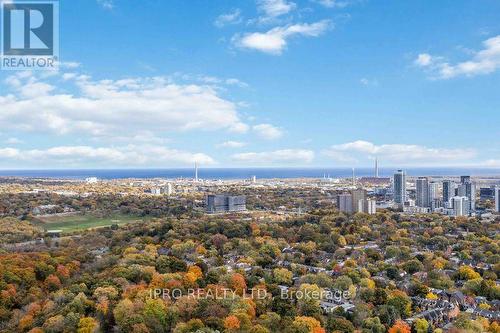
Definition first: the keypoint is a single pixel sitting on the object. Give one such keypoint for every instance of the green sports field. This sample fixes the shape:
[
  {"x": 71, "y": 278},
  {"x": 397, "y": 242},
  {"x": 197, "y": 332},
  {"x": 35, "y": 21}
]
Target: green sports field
[{"x": 83, "y": 222}]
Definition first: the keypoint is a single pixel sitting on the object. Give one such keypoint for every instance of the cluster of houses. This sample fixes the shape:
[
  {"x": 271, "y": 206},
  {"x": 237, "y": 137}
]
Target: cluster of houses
[{"x": 437, "y": 312}]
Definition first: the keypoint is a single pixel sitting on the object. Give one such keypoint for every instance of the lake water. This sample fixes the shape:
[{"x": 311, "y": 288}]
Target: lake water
[{"x": 242, "y": 173}]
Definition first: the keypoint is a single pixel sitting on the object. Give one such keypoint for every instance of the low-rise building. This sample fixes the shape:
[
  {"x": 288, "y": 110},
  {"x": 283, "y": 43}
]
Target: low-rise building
[{"x": 223, "y": 203}]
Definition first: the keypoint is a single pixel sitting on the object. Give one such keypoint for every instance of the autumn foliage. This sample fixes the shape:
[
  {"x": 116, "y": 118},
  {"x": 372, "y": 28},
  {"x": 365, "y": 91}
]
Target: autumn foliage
[
  {"x": 232, "y": 323},
  {"x": 400, "y": 327}
]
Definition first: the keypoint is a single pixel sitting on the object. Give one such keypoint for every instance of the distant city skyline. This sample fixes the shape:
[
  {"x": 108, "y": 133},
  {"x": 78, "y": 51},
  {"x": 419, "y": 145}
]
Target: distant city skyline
[
  {"x": 274, "y": 83},
  {"x": 241, "y": 173}
]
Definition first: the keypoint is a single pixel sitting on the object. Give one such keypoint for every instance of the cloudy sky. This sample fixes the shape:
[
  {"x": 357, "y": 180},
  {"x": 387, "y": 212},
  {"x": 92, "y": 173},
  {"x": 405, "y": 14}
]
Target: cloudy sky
[{"x": 261, "y": 83}]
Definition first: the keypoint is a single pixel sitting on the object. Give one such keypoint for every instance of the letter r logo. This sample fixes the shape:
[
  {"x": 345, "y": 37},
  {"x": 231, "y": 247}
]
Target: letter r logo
[{"x": 28, "y": 28}]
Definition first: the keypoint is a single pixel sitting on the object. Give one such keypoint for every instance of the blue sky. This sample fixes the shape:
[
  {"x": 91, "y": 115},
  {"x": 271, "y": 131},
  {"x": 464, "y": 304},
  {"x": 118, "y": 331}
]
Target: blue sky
[{"x": 261, "y": 83}]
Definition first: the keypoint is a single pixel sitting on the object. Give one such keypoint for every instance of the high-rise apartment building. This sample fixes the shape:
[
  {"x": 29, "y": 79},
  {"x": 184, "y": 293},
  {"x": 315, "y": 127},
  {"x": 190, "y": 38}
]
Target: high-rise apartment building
[
  {"x": 169, "y": 189},
  {"x": 487, "y": 193},
  {"x": 433, "y": 191},
  {"x": 468, "y": 189},
  {"x": 448, "y": 191},
  {"x": 371, "y": 206},
  {"x": 422, "y": 186},
  {"x": 344, "y": 202},
  {"x": 358, "y": 200},
  {"x": 460, "y": 206},
  {"x": 220, "y": 203},
  {"x": 399, "y": 187}
]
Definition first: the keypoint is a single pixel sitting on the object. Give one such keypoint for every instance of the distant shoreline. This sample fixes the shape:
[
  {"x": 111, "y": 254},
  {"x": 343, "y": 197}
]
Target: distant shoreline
[{"x": 244, "y": 173}]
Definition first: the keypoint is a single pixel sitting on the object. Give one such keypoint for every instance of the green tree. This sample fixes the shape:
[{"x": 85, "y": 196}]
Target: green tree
[
  {"x": 339, "y": 324},
  {"x": 373, "y": 325},
  {"x": 126, "y": 315},
  {"x": 401, "y": 302},
  {"x": 170, "y": 264},
  {"x": 155, "y": 315},
  {"x": 413, "y": 266}
]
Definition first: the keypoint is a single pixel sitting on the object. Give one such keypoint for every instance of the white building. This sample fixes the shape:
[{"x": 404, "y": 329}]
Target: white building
[
  {"x": 371, "y": 206},
  {"x": 460, "y": 206},
  {"x": 91, "y": 180},
  {"x": 415, "y": 210},
  {"x": 168, "y": 189}
]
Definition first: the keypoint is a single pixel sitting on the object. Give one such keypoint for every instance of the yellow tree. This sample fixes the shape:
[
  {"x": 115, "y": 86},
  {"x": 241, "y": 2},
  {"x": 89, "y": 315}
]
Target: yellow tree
[
  {"x": 431, "y": 295},
  {"x": 421, "y": 325},
  {"x": 87, "y": 325},
  {"x": 282, "y": 276},
  {"x": 467, "y": 273},
  {"x": 309, "y": 324}
]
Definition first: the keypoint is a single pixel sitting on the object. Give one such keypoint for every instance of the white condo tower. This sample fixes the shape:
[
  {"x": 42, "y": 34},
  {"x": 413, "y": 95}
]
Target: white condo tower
[{"x": 196, "y": 171}]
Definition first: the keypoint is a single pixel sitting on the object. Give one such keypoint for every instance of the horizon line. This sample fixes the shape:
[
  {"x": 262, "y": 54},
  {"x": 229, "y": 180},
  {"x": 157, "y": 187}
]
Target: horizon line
[{"x": 253, "y": 167}]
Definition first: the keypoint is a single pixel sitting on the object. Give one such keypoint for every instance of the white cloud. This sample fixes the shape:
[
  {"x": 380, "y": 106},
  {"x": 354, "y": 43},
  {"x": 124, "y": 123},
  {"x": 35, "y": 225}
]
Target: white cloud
[
  {"x": 215, "y": 81},
  {"x": 284, "y": 156},
  {"x": 236, "y": 82},
  {"x": 126, "y": 156},
  {"x": 275, "y": 8},
  {"x": 27, "y": 85},
  {"x": 231, "y": 144},
  {"x": 35, "y": 89},
  {"x": 69, "y": 76},
  {"x": 491, "y": 163},
  {"x": 368, "y": 82},
  {"x": 15, "y": 81},
  {"x": 13, "y": 141},
  {"x": 483, "y": 62},
  {"x": 137, "y": 138},
  {"x": 69, "y": 64},
  {"x": 268, "y": 131},
  {"x": 274, "y": 41},
  {"x": 423, "y": 59},
  {"x": 333, "y": 3},
  {"x": 106, "y": 4},
  {"x": 233, "y": 17},
  {"x": 402, "y": 154},
  {"x": 112, "y": 107}
]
